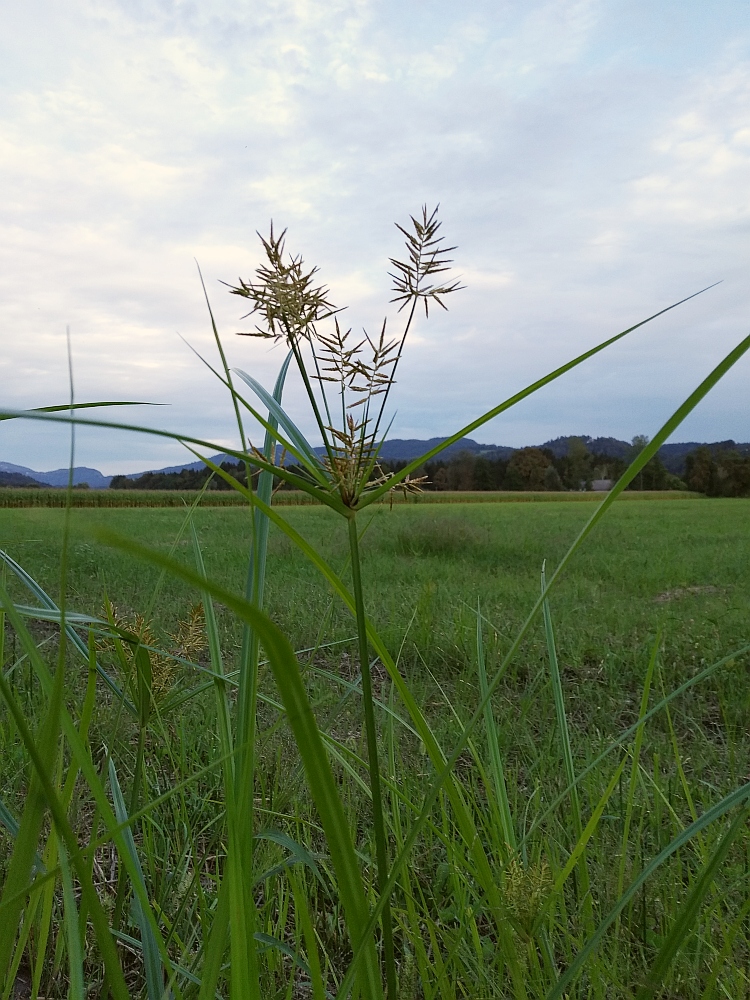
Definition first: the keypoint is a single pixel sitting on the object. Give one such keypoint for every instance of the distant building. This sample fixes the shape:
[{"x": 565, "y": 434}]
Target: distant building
[{"x": 601, "y": 485}]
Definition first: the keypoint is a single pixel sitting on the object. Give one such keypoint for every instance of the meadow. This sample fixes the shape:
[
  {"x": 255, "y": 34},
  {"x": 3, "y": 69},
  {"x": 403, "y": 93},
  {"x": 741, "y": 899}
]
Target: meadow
[{"x": 657, "y": 595}]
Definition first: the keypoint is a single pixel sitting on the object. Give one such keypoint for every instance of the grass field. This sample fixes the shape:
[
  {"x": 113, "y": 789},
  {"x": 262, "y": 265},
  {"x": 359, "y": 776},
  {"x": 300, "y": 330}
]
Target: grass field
[
  {"x": 13, "y": 497},
  {"x": 679, "y": 571}
]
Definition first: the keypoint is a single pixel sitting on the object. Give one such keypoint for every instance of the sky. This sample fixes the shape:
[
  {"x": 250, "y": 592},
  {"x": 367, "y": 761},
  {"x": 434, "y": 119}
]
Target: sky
[{"x": 591, "y": 159}]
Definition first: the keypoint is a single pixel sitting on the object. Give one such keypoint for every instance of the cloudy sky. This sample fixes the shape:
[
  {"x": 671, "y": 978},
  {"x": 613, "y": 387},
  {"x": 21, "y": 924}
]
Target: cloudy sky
[{"x": 591, "y": 159}]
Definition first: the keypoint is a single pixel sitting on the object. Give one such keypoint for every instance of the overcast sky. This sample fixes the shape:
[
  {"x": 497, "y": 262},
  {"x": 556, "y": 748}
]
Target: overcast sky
[{"x": 591, "y": 159}]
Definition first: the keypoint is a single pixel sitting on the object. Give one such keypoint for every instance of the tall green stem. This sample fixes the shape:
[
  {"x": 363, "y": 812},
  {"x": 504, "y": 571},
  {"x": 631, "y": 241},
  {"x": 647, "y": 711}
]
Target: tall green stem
[{"x": 381, "y": 846}]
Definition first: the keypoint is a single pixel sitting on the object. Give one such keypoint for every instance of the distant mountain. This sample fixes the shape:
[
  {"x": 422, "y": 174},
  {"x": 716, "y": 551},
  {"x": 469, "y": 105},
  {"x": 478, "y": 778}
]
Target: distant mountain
[
  {"x": 404, "y": 450},
  {"x": 59, "y": 477},
  {"x": 17, "y": 479},
  {"x": 597, "y": 446},
  {"x": 193, "y": 466},
  {"x": 395, "y": 450}
]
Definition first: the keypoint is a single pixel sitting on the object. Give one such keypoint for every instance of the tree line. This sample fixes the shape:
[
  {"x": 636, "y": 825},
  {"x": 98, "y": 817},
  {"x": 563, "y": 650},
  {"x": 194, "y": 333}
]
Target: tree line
[{"x": 715, "y": 473}]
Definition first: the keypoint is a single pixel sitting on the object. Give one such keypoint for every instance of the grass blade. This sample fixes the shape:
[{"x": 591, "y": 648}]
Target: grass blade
[
  {"x": 151, "y": 954},
  {"x": 508, "y": 403},
  {"x": 496, "y": 763},
  {"x": 308, "y": 932},
  {"x": 76, "y": 990},
  {"x": 85, "y": 406},
  {"x": 567, "y": 753},
  {"x": 303, "y": 448}
]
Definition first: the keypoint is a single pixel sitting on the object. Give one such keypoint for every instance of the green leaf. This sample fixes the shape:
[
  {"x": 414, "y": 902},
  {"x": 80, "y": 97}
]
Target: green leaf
[
  {"x": 151, "y": 955},
  {"x": 84, "y": 406},
  {"x": 496, "y": 763},
  {"x": 76, "y": 990},
  {"x": 277, "y": 413}
]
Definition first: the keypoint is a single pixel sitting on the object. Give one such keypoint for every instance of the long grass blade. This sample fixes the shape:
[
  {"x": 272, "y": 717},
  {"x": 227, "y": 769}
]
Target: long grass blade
[
  {"x": 86, "y": 406},
  {"x": 76, "y": 990},
  {"x": 298, "y": 482},
  {"x": 496, "y": 763},
  {"x": 304, "y": 449},
  {"x": 567, "y": 753},
  {"x": 302, "y": 911},
  {"x": 516, "y": 398},
  {"x": 151, "y": 953}
]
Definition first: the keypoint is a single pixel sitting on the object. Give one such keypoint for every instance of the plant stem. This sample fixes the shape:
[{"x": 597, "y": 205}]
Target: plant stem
[{"x": 381, "y": 847}]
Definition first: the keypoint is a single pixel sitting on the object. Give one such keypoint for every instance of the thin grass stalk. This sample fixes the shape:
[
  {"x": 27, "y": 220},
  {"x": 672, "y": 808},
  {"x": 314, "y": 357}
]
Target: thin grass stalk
[
  {"x": 255, "y": 585},
  {"x": 76, "y": 989},
  {"x": 634, "y": 768},
  {"x": 567, "y": 753},
  {"x": 248, "y": 686},
  {"x": 496, "y": 763},
  {"x": 240, "y": 917},
  {"x": 371, "y": 736}
]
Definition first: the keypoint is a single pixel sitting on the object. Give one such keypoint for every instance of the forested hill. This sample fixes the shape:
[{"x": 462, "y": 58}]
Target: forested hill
[{"x": 672, "y": 457}]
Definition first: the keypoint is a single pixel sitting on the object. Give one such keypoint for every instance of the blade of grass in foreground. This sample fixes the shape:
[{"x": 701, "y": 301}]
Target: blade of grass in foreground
[
  {"x": 72, "y": 930},
  {"x": 496, "y": 763},
  {"x": 85, "y": 406},
  {"x": 567, "y": 754},
  {"x": 151, "y": 957}
]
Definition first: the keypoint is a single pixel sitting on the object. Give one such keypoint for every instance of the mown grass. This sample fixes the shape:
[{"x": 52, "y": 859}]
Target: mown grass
[{"x": 678, "y": 571}]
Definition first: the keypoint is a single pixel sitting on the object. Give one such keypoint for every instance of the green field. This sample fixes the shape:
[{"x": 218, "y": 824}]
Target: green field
[
  {"x": 15, "y": 497},
  {"x": 683, "y": 567},
  {"x": 676, "y": 572}
]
